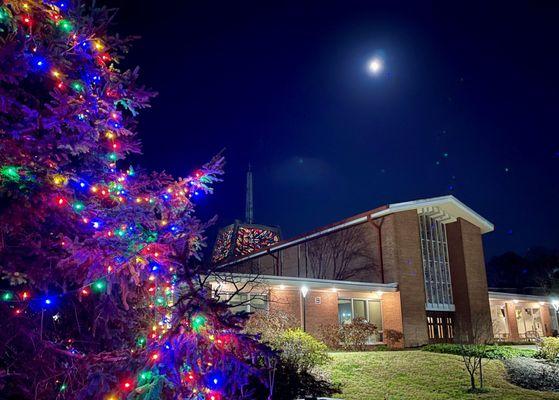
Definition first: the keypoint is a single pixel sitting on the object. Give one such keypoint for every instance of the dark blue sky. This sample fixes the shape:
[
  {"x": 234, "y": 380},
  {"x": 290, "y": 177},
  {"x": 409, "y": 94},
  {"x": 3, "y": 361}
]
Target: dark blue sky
[{"x": 284, "y": 86}]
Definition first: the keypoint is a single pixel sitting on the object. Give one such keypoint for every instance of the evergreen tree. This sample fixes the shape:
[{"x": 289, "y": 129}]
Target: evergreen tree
[{"x": 99, "y": 296}]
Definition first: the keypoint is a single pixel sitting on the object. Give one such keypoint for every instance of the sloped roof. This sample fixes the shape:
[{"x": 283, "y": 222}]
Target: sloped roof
[{"x": 448, "y": 206}]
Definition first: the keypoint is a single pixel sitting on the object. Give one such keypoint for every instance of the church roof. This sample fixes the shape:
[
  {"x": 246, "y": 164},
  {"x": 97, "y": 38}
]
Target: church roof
[{"x": 448, "y": 208}]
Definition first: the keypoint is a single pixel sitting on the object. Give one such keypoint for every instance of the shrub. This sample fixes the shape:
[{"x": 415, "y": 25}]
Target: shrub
[
  {"x": 393, "y": 337},
  {"x": 298, "y": 374},
  {"x": 301, "y": 349},
  {"x": 354, "y": 336},
  {"x": 490, "y": 351},
  {"x": 290, "y": 383},
  {"x": 270, "y": 324},
  {"x": 549, "y": 348},
  {"x": 533, "y": 374}
]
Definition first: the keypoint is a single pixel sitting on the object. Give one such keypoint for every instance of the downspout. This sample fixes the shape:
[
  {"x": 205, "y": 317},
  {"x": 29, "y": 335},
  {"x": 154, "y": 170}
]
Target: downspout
[
  {"x": 276, "y": 263},
  {"x": 379, "y": 231}
]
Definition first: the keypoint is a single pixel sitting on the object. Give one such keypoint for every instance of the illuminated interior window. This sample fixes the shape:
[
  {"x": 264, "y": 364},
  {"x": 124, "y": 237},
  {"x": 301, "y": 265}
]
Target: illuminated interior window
[{"x": 436, "y": 268}]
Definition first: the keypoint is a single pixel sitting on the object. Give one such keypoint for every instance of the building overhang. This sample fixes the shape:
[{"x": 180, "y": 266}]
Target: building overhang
[
  {"x": 287, "y": 282},
  {"x": 449, "y": 206},
  {"x": 503, "y": 296}
]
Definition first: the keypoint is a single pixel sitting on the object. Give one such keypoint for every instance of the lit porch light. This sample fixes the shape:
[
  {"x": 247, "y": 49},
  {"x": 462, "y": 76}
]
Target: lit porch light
[
  {"x": 515, "y": 301},
  {"x": 304, "y": 291}
]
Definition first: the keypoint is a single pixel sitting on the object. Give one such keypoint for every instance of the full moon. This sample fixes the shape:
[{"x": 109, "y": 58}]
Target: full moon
[{"x": 375, "y": 66}]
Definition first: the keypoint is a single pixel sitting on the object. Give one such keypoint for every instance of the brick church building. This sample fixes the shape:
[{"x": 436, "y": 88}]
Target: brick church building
[{"x": 415, "y": 268}]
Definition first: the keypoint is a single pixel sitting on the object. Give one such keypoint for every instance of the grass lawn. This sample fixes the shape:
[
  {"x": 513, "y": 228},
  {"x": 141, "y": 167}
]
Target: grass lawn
[{"x": 418, "y": 375}]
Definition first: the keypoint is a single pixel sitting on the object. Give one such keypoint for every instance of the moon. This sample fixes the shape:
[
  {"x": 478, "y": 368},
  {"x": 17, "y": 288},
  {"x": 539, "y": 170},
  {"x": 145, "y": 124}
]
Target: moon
[{"x": 375, "y": 66}]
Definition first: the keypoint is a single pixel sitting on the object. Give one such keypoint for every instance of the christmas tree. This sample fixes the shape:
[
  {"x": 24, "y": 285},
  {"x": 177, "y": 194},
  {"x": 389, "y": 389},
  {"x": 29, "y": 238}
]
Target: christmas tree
[{"x": 100, "y": 298}]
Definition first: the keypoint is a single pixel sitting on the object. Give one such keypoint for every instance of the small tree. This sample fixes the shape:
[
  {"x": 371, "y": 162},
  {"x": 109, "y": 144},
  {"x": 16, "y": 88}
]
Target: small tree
[{"x": 473, "y": 348}]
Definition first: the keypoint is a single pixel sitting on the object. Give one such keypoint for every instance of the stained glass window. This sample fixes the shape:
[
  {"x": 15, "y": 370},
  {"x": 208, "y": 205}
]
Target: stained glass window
[{"x": 243, "y": 239}]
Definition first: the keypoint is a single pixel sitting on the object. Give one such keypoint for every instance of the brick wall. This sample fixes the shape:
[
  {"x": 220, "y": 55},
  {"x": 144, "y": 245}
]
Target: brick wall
[
  {"x": 469, "y": 281},
  {"x": 287, "y": 301},
  {"x": 392, "y": 315},
  {"x": 325, "y": 313},
  {"x": 403, "y": 264}
]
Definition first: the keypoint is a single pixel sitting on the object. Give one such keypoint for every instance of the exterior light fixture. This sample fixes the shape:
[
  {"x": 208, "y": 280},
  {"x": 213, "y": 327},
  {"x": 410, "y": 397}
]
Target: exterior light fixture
[
  {"x": 304, "y": 292},
  {"x": 334, "y": 290},
  {"x": 282, "y": 287},
  {"x": 515, "y": 301},
  {"x": 379, "y": 293},
  {"x": 555, "y": 304},
  {"x": 542, "y": 303}
]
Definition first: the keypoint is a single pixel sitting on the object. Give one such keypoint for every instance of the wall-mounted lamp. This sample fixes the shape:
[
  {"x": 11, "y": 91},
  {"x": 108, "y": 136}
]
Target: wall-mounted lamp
[{"x": 304, "y": 292}]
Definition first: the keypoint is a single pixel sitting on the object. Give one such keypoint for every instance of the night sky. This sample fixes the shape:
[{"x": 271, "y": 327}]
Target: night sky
[{"x": 468, "y": 104}]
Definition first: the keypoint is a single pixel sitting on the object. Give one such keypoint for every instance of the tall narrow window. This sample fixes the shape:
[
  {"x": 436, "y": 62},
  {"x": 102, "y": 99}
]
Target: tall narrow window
[{"x": 434, "y": 251}]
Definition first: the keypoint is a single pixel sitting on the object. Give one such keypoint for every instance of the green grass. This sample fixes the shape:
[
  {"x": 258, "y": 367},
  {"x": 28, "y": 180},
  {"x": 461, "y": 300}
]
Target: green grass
[{"x": 416, "y": 375}]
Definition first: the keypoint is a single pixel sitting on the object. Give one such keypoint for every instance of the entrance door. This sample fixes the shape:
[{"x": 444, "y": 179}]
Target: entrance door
[{"x": 440, "y": 326}]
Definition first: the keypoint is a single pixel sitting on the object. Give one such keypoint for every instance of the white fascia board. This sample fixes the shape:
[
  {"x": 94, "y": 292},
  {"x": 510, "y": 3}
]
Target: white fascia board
[
  {"x": 520, "y": 297},
  {"x": 310, "y": 283},
  {"x": 451, "y": 205}
]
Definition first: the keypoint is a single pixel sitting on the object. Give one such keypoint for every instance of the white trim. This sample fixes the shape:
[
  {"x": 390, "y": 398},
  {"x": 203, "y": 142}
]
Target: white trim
[
  {"x": 520, "y": 297},
  {"x": 451, "y": 205},
  {"x": 290, "y": 282}
]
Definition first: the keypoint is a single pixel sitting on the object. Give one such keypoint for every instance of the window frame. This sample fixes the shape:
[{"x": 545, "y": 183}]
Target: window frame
[
  {"x": 247, "y": 303},
  {"x": 367, "y": 300}
]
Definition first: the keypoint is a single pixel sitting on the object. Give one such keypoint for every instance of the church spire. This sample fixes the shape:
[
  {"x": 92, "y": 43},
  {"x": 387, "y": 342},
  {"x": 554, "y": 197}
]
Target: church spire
[{"x": 249, "y": 207}]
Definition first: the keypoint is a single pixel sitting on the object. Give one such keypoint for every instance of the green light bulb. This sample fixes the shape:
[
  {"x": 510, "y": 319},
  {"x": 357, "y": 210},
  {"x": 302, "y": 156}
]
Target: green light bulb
[
  {"x": 77, "y": 86},
  {"x": 198, "y": 322},
  {"x": 11, "y": 172},
  {"x": 7, "y": 296},
  {"x": 78, "y": 206},
  {"x": 144, "y": 376},
  {"x": 99, "y": 286},
  {"x": 65, "y": 25}
]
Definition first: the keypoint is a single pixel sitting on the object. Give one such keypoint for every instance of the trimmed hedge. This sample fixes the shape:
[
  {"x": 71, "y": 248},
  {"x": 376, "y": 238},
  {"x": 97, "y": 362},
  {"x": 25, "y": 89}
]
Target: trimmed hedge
[{"x": 490, "y": 351}]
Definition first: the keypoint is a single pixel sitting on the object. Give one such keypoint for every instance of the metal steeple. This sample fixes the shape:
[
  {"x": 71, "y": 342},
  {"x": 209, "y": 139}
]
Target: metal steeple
[{"x": 249, "y": 207}]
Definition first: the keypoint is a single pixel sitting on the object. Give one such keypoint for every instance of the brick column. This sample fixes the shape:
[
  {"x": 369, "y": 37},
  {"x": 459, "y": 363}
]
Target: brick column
[
  {"x": 392, "y": 316},
  {"x": 510, "y": 309},
  {"x": 403, "y": 264},
  {"x": 469, "y": 281},
  {"x": 546, "y": 320}
]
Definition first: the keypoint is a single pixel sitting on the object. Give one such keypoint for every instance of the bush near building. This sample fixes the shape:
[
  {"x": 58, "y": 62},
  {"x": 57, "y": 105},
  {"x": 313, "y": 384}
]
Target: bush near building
[{"x": 549, "y": 349}]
